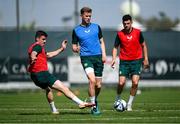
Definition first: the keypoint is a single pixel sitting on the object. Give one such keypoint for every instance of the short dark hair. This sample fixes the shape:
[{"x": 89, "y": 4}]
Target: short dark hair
[
  {"x": 126, "y": 17},
  {"x": 86, "y": 9},
  {"x": 40, "y": 33}
]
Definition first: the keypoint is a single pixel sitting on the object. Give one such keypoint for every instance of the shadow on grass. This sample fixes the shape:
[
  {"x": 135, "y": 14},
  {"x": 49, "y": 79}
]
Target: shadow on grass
[{"x": 60, "y": 113}]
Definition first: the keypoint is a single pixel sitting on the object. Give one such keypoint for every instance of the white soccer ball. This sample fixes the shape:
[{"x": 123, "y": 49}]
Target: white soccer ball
[{"x": 120, "y": 105}]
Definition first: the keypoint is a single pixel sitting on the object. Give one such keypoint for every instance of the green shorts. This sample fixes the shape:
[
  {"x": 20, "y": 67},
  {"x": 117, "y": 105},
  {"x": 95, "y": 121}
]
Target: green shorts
[
  {"x": 43, "y": 79},
  {"x": 93, "y": 63},
  {"x": 129, "y": 68}
]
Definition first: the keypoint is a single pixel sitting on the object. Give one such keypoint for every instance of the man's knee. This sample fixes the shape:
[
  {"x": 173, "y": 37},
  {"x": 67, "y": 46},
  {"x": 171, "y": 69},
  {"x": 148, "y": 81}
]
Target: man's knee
[
  {"x": 48, "y": 89},
  {"x": 98, "y": 84},
  {"x": 134, "y": 84}
]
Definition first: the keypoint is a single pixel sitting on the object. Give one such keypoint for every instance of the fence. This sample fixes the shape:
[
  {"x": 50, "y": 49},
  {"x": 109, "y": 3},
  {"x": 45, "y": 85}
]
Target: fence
[{"x": 162, "y": 46}]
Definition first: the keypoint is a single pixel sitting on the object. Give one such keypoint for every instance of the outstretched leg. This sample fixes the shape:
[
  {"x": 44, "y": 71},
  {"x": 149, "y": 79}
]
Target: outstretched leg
[{"x": 58, "y": 85}]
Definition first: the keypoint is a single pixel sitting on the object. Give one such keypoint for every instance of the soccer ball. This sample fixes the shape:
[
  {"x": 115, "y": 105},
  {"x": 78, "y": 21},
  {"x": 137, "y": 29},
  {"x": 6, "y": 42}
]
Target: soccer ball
[{"x": 120, "y": 105}]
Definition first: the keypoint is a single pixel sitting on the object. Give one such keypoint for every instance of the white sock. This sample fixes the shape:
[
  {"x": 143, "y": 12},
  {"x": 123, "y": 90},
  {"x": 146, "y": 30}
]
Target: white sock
[
  {"x": 52, "y": 106},
  {"x": 131, "y": 98},
  {"x": 77, "y": 100},
  {"x": 92, "y": 99}
]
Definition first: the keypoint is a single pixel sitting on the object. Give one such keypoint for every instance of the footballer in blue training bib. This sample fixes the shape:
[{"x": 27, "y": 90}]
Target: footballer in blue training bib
[{"x": 88, "y": 38}]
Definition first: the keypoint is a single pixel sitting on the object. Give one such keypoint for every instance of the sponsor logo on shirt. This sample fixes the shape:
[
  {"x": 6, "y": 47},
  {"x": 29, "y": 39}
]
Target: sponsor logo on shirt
[
  {"x": 87, "y": 31},
  {"x": 129, "y": 37}
]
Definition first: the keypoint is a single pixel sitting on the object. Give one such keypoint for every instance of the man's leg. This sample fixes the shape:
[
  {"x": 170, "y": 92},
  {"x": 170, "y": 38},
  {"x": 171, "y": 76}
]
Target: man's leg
[
  {"x": 95, "y": 110},
  {"x": 58, "y": 85},
  {"x": 89, "y": 70},
  {"x": 94, "y": 89},
  {"x": 49, "y": 96},
  {"x": 92, "y": 82},
  {"x": 98, "y": 86},
  {"x": 135, "y": 80},
  {"x": 120, "y": 86}
]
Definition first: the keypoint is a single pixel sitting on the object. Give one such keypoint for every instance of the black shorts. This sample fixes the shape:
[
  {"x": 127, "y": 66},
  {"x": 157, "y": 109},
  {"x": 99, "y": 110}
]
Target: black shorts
[
  {"x": 129, "y": 68},
  {"x": 94, "y": 62},
  {"x": 43, "y": 79}
]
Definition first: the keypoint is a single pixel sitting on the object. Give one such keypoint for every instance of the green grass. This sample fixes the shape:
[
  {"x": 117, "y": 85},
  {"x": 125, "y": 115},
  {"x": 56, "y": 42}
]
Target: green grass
[{"x": 153, "y": 105}]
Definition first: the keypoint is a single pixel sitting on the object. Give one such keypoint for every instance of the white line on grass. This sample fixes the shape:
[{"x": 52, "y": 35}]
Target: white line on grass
[
  {"x": 122, "y": 118},
  {"x": 103, "y": 110}
]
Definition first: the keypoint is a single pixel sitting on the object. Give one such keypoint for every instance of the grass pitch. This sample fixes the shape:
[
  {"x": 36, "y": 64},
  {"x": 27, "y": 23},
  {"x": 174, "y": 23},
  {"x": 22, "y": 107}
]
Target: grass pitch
[{"x": 153, "y": 105}]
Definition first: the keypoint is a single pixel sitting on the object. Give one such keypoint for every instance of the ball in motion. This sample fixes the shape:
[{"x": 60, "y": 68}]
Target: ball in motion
[{"x": 120, "y": 105}]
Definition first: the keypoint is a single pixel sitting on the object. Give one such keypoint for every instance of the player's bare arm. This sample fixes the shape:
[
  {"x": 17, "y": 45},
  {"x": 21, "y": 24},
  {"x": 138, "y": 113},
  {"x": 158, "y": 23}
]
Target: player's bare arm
[
  {"x": 103, "y": 50},
  {"x": 145, "y": 52},
  {"x": 114, "y": 55},
  {"x": 56, "y": 52},
  {"x": 33, "y": 57}
]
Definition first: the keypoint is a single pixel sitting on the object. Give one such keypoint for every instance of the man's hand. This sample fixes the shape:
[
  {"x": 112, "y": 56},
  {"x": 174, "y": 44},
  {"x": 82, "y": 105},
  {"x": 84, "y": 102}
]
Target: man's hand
[
  {"x": 64, "y": 44},
  {"x": 75, "y": 48},
  {"x": 146, "y": 64},
  {"x": 113, "y": 63}
]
